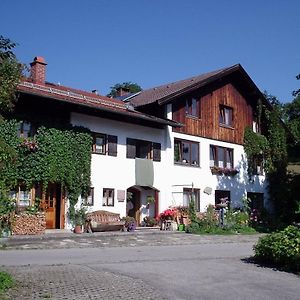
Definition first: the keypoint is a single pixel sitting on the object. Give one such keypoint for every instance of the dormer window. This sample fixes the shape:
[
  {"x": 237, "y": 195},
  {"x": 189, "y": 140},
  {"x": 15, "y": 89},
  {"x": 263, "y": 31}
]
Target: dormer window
[
  {"x": 192, "y": 107},
  {"x": 226, "y": 116}
]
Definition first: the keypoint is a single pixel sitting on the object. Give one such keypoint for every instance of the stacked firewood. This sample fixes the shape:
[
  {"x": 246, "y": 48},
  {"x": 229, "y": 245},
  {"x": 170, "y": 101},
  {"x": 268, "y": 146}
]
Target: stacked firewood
[{"x": 26, "y": 224}]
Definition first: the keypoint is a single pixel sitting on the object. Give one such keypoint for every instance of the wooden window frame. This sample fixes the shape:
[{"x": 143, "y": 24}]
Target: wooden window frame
[
  {"x": 189, "y": 191},
  {"x": 105, "y": 198},
  {"x": 192, "y": 107},
  {"x": 133, "y": 151},
  {"x": 223, "y": 121},
  {"x": 214, "y": 150},
  {"x": 258, "y": 165},
  {"x": 85, "y": 199},
  {"x": 104, "y": 145},
  {"x": 22, "y": 133},
  {"x": 109, "y": 146},
  {"x": 180, "y": 148},
  {"x": 17, "y": 193}
]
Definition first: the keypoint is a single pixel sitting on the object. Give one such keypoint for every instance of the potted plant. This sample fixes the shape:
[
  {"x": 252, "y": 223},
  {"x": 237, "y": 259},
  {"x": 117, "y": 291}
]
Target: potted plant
[
  {"x": 150, "y": 222},
  {"x": 78, "y": 218},
  {"x": 150, "y": 200},
  {"x": 130, "y": 224}
]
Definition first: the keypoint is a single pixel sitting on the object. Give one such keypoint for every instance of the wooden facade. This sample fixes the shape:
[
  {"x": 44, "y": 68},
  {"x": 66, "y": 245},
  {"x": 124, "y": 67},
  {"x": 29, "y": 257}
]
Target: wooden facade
[{"x": 206, "y": 123}]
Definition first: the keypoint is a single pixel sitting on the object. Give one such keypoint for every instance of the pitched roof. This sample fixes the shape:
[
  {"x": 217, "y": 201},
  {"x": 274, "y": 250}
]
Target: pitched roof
[
  {"x": 87, "y": 99},
  {"x": 164, "y": 92}
]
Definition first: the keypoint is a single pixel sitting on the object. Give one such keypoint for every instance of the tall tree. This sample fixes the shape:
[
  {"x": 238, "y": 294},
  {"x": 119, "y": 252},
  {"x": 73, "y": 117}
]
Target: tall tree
[
  {"x": 10, "y": 74},
  {"x": 132, "y": 87},
  {"x": 293, "y": 113}
]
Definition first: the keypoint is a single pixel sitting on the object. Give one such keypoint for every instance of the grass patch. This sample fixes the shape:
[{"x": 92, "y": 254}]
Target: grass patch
[
  {"x": 196, "y": 229},
  {"x": 6, "y": 282}
]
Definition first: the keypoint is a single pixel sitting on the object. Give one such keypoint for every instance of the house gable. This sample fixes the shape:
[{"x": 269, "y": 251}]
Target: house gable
[{"x": 210, "y": 105}]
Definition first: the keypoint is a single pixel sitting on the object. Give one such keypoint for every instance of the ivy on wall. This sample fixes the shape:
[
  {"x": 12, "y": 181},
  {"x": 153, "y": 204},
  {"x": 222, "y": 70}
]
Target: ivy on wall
[
  {"x": 256, "y": 145},
  {"x": 272, "y": 146},
  {"x": 53, "y": 155}
]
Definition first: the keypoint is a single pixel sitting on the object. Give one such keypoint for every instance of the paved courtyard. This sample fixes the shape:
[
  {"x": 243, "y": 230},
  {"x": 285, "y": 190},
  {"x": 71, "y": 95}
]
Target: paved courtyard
[{"x": 151, "y": 265}]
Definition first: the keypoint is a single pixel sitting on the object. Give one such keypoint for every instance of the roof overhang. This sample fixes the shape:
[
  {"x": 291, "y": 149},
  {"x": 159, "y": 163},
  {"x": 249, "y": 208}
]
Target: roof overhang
[
  {"x": 117, "y": 109},
  {"x": 212, "y": 79}
]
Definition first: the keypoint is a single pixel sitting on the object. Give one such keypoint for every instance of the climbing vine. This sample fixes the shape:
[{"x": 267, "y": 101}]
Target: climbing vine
[
  {"x": 54, "y": 155},
  {"x": 272, "y": 147},
  {"x": 256, "y": 147}
]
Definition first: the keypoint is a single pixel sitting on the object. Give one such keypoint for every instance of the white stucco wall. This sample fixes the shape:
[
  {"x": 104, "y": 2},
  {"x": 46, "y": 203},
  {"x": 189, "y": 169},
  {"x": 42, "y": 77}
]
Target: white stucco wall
[
  {"x": 118, "y": 172},
  {"x": 201, "y": 177}
]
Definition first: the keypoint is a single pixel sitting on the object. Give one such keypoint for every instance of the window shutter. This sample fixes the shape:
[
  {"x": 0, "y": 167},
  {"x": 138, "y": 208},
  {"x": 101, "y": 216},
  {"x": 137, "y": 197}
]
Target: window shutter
[
  {"x": 112, "y": 141},
  {"x": 156, "y": 152},
  {"x": 131, "y": 148}
]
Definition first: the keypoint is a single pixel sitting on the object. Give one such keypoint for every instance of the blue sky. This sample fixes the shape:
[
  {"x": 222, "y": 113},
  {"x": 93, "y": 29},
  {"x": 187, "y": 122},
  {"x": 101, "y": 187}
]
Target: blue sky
[{"x": 94, "y": 44}]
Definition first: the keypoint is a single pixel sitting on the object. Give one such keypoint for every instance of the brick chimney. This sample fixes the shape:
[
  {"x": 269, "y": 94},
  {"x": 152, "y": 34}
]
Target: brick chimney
[{"x": 38, "y": 70}]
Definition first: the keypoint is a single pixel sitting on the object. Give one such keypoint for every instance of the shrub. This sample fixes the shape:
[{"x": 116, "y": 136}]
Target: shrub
[
  {"x": 130, "y": 223},
  {"x": 150, "y": 222},
  {"x": 236, "y": 219},
  {"x": 281, "y": 249},
  {"x": 193, "y": 228},
  {"x": 208, "y": 223}
]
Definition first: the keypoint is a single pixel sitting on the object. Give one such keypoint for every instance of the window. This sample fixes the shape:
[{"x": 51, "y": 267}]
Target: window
[
  {"x": 108, "y": 197},
  {"x": 186, "y": 152},
  {"x": 222, "y": 195},
  {"x": 21, "y": 195},
  {"x": 221, "y": 157},
  {"x": 192, "y": 107},
  {"x": 89, "y": 199},
  {"x": 256, "y": 201},
  {"x": 105, "y": 144},
  {"x": 189, "y": 194},
  {"x": 25, "y": 130},
  {"x": 257, "y": 165},
  {"x": 226, "y": 116},
  {"x": 143, "y": 149}
]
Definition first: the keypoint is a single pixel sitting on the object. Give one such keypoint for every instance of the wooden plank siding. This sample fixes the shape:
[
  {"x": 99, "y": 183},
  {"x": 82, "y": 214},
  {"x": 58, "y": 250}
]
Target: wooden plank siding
[{"x": 207, "y": 125}]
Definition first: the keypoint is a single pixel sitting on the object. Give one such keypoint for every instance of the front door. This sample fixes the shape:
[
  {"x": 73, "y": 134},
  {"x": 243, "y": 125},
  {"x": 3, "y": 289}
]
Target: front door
[
  {"x": 136, "y": 203},
  {"x": 52, "y": 203}
]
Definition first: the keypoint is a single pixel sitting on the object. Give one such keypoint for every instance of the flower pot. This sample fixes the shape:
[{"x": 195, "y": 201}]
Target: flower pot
[
  {"x": 181, "y": 227},
  {"x": 78, "y": 229}
]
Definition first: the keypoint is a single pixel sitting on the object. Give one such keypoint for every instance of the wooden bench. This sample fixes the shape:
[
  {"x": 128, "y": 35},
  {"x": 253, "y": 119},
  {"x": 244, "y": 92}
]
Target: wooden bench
[{"x": 102, "y": 220}]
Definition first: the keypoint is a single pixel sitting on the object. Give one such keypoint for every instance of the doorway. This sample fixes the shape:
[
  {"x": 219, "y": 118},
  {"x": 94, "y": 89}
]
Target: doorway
[
  {"x": 54, "y": 206},
  {"x": 133, "y": 204}
]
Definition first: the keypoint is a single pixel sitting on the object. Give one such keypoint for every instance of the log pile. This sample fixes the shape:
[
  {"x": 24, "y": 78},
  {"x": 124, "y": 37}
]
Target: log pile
[{"x": 28, "y": 224}]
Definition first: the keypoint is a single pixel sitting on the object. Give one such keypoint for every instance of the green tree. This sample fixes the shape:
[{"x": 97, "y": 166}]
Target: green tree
[
  {"x": 292, "y": 119},
  {"x": 293, "y": 113},
  {"x": 10, "y": 74},
  {"x": 132, "y": 87}
]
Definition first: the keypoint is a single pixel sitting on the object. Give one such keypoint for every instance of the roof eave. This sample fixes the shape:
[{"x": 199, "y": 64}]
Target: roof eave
[
  {"x": 139, "y": 115},
  {"x": 197, "y": 85}
]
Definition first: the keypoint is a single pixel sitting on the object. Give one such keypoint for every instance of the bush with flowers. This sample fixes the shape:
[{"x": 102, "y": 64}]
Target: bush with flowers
[
  {"x": 168, "y": 214},
  {"x": 236, "y": 221},
  {"x": 29, "y": 144}
]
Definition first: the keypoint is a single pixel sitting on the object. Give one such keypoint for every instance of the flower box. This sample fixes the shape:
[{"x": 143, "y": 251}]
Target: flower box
[{"x": 224, "y": 171}]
